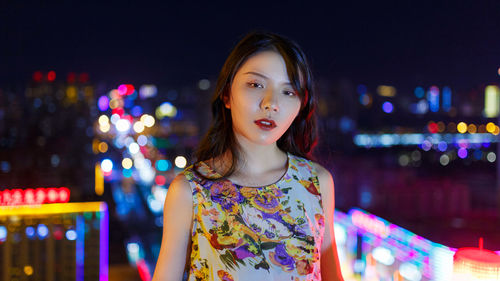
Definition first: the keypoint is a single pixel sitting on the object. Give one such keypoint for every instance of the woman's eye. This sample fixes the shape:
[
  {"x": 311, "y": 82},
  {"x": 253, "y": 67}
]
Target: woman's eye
[
  {"x": 255, "y": 85},
  {"x": 290, "y": 93}
]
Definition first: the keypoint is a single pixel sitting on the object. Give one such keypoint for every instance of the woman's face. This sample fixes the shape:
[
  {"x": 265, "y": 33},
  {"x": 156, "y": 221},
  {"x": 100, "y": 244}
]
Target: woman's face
[{"x": 261, "y": 94}]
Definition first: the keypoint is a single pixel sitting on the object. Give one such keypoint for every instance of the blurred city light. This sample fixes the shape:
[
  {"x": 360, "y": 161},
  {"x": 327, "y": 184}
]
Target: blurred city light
[
  {"x": 387, "y": 107},
  {"x": 180, "y": 162},
  {"x": 491, "y": 101}
]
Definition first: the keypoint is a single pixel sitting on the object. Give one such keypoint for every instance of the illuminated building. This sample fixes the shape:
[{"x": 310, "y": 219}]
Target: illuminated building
[{"x": 59, "y": 241}]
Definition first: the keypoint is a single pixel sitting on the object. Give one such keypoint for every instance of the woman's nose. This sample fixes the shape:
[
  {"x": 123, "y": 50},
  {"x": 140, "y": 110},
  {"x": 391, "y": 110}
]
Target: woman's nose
[{"x": 270, "y": 102}]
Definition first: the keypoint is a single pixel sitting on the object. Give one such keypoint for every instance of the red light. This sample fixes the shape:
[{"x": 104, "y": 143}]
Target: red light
[
  {"x": 52, "y": 195},
  {"x": 38, "y": 76},
  {"x": 29, "y": 196},
  {"x": 160, "y": 180},
  {"x": 84, "y": 77},
  {"x": 6, "y": 197},
  {"x": 433, "y": 127},
  {"x": 129, "y": 118},
  {"x": 118, "y": 111},
  {"x": 71, "y": 77},
  {"x": 39, "y": 195},
  {"x": 63, "y": 194},
  {"x": 17, "y": 197},
  {"x": 51, "y": 76},
  {"x": 58, "y": 234}
]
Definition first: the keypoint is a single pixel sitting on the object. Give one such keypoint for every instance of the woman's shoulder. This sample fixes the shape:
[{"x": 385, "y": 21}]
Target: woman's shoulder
[{"x": 314, "y": 166}]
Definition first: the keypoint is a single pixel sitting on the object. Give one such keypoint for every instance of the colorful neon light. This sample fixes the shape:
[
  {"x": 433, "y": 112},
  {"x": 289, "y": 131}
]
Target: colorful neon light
[{"x": 14, "y": 197}]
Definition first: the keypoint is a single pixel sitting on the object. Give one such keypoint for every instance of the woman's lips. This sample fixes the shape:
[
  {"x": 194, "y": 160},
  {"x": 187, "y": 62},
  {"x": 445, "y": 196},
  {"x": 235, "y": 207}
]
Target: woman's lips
[{"x": 265, "y": 124}]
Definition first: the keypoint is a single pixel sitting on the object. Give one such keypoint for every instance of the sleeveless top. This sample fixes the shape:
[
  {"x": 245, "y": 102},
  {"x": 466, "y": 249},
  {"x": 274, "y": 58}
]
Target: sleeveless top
[{"x": 272, "y": 232}]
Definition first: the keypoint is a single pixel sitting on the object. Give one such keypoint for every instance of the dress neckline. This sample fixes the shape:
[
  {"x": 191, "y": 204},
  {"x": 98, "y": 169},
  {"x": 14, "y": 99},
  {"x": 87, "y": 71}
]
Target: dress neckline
[{"x": 215, "y": 175}]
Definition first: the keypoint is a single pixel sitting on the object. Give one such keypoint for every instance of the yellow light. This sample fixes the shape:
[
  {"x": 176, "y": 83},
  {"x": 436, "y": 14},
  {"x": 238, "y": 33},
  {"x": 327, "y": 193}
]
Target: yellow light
[
  {"x": 103, "y": 120},
  {"x": 138, "y": 127},
  {"x": 180, "y": 161},
  {"x": 99, "y": 180},
  {"x": 95, "y": 146},
  {"x": 127, "y": 163},
  {"x": 28, "y": 270},
  {"x": 386, "y": 91},
  {"x": 491, "y": 101},
  {"x": 71, "y": 94},
  {"x": 114, "y": 103},
  {"x": 103, "y": 147},
  {"x": 490, "y": 127},
  {"x": 462, "y": 127},
  {"x": 54, "y": 208},
  {"x": 471, "y": 129},
  {"x": 496, "y": 131},
  {"x": 104, "y": 128},
  {"x": 148, "y": 120}
]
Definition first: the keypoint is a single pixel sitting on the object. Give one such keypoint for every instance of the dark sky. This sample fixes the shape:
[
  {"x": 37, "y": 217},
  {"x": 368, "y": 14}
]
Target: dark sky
[{"x": 401, "y": 43}]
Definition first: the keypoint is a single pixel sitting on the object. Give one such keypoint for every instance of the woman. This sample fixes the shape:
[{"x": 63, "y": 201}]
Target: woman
[{"x": 254, "y": 207}]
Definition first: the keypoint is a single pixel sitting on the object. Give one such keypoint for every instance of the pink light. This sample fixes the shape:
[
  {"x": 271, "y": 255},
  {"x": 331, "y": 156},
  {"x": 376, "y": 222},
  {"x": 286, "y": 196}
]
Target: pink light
[
  {"x": 143, "y": 270},
  {"x": 370, "y": 223},
  {"x": 122, "y": 89}
]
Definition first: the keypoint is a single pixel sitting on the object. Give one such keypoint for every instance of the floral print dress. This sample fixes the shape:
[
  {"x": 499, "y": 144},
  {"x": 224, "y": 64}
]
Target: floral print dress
[{"x": 271, "y": 232}]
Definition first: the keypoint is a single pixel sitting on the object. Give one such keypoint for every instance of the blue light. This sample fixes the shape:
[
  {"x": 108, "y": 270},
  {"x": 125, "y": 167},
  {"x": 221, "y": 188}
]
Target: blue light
[
  {"x": 136, "y": 111},
  {"x": 446, "y": 99},
  {"x": 30, "y": 232},
  {"x": 127, "y": 173},
  {"x": 433, "y": 98},
  {"x": 419, "y": 92},
  {"x": 478, "y": 154},
  {"x": 387, "y": 107},
  {"x": 442, "y": 146},
  {"x": 43, "y": 231},
  {"x": 361, "y": 89},
  {"x": 71, "y": 235},
  {"x": 3, "y": 233},
  {"x": 163, "y": 165}
]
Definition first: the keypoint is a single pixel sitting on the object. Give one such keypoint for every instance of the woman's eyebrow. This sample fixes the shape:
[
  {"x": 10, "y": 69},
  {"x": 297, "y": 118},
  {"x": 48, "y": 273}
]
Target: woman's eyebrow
[{"x": 264, "y": 76}]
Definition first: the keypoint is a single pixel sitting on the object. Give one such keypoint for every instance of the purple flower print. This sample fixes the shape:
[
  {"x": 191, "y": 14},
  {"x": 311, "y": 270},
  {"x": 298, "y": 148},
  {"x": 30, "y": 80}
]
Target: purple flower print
[
  {"x": 281, "y": 258},
  {"x": 226, "y": 194}
]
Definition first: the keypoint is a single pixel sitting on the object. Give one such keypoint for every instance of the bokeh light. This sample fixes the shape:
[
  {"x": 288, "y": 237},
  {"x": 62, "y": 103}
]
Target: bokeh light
[
  {"x": 444, "y": 160},
  {"x": 127, "y": 163},
  {"x": 462, "y": 127},
  {"x": 106, "y": 165},
  {"x": 180, "y": 162},
  {"x": 148, "y": 120},
  {"x": 387, "y": 107},
  {"x": 491, "y": 157}
]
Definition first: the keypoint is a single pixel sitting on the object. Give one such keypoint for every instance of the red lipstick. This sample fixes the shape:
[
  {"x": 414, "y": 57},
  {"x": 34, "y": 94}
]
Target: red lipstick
[{"x": 265, "y": 124}]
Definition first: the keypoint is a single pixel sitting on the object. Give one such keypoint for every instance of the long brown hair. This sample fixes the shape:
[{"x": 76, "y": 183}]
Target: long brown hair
[{"x": 301, "y": 136}]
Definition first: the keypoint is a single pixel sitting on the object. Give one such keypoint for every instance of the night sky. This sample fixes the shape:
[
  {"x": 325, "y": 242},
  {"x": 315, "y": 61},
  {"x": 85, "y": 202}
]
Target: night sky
[{"x": 403, "y": 43}]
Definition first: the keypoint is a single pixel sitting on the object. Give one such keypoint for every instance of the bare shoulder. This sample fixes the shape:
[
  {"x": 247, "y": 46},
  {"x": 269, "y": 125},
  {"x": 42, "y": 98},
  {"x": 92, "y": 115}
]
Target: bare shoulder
[
  {"x": 324, "y": 176},
  {"x": 180, "y": 187}
]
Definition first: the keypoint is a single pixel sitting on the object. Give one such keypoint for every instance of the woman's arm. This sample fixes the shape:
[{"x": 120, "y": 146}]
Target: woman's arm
[
  {"x": 176, "y": 240},
  {"x": 330, "y": 266}
]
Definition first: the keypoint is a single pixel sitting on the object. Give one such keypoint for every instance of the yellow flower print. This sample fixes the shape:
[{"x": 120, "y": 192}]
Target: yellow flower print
[{"x": 224, "y": 276}]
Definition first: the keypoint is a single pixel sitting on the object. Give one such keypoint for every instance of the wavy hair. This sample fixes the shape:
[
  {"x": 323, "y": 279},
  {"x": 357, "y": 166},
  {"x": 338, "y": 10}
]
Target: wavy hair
[{"x": 300, "y": 138}]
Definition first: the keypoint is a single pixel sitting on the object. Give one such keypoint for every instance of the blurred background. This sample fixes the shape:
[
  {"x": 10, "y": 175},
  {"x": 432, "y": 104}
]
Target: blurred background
[{"x": 107, "y": 102}]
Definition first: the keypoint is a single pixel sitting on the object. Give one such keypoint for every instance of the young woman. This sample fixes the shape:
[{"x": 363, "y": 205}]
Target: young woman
[{"x": 254, "y": 206}]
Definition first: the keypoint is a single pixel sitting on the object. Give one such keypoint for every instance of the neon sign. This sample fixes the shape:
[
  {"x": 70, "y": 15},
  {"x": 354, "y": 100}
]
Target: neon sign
[{"x": 30, "y": 196}]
